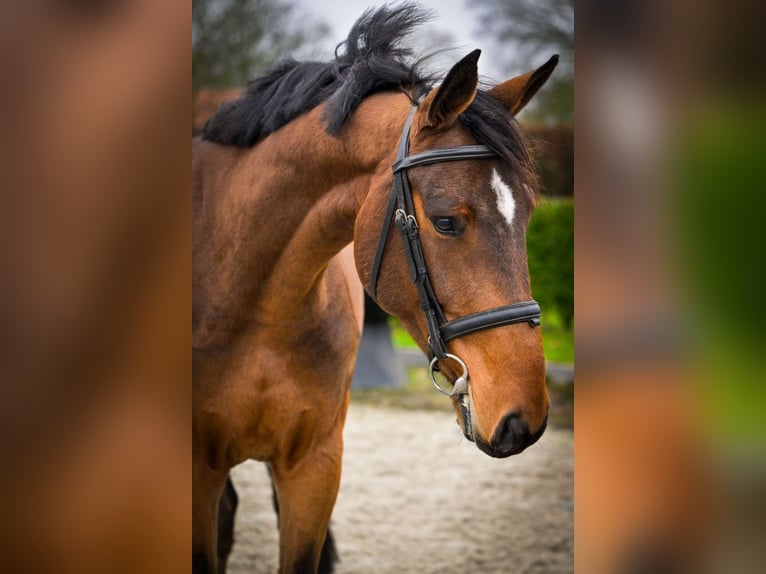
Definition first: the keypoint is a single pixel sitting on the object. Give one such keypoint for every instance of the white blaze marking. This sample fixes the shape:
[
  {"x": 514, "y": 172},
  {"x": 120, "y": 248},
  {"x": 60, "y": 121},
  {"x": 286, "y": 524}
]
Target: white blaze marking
[{"x": 505, "y": 203}]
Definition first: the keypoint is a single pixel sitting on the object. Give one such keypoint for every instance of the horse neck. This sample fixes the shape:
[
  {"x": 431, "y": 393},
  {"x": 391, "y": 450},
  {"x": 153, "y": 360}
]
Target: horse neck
[{"x": 267, "y": 230}]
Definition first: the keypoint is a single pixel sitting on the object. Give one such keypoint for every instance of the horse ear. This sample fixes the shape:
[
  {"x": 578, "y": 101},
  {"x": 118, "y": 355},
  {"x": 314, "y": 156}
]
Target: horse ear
[
  {"x": 441, "y": 107},
  {"x": 516, "y": 92}
]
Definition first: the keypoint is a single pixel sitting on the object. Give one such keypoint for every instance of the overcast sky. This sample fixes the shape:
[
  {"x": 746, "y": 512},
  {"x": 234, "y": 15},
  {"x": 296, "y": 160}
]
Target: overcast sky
[{"x": 452, "y": 16}]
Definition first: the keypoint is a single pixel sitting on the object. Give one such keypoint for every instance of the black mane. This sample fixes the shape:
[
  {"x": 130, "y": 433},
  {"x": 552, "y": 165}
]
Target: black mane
[{"x": 372, "y": 59}]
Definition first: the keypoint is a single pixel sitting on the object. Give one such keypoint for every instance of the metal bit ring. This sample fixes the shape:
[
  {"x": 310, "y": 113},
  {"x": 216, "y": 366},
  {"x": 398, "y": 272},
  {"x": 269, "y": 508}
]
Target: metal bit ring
[{"x": 460, "y": 386}]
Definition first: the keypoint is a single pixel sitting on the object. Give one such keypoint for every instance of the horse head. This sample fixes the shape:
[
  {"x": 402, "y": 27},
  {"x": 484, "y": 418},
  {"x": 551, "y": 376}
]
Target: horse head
[{"x": 470, "y": 218}]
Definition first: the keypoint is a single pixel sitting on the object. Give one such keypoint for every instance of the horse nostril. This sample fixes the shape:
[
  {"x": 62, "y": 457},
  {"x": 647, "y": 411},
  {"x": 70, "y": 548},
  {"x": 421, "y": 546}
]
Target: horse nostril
[
  {"x": 512, "y": 434},
  {"x": 517, "y": 426}
]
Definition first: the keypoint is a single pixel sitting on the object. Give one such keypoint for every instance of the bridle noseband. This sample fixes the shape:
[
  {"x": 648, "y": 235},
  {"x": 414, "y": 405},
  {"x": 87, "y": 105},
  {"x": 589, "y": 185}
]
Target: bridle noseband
[{"x": 401, "y": 210}]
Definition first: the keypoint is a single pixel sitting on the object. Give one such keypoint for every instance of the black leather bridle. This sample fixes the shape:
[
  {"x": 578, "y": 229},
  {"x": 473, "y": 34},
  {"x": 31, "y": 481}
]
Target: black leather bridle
[{"x": 401, "y": 210}]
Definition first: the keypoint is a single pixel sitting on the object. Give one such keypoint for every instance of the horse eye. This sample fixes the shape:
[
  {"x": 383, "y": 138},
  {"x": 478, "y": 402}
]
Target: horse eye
[{"x": 445, "y": 225}]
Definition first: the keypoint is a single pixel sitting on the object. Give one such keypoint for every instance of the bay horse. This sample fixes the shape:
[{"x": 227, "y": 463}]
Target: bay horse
[{"x": 285, "y": 179}]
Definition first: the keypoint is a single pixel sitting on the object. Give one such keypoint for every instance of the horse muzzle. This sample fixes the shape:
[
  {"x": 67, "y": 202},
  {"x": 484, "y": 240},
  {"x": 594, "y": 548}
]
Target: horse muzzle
[{"x": 511, "y": 436}]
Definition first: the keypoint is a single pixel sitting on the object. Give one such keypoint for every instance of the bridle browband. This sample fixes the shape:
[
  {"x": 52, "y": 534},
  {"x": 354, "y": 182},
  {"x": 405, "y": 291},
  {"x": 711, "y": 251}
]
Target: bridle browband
[{"x": 401, "y": 210}]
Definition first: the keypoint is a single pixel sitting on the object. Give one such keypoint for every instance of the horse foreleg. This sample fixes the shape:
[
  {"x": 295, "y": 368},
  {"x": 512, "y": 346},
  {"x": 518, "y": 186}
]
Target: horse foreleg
[
  {"x": 227, "y": 508},
  {"x": 207, "y": 485},
  {"x": 329, "y": 555},
  {"x": 306, "y": 494}
]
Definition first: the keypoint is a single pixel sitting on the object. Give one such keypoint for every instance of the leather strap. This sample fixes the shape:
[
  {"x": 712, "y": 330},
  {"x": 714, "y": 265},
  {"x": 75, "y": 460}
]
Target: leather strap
[
  {"x": 395, "y": 200},
  {"x": 526, "y": 312},
  {"x": 446, "y": 154}
]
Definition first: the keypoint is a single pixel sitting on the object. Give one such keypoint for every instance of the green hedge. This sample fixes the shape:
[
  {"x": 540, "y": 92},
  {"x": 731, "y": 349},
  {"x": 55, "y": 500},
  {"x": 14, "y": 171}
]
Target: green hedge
[{"x": 550, "y": 246}]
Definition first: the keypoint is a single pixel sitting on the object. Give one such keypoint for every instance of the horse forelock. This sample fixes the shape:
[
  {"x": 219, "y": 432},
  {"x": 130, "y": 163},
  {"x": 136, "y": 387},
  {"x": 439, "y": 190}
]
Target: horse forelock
[{"x": 491, "y": 124}]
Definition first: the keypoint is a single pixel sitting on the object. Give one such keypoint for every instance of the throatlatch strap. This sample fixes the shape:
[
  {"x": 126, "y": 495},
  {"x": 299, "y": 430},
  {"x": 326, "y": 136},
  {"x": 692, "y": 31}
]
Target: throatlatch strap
[
  {"x": 389, "y": 216},
  {"x": 396, "y": 200}
]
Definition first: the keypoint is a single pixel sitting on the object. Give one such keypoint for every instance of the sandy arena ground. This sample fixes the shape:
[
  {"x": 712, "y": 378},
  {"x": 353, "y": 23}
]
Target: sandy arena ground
[{"x": 416, "y": 497}]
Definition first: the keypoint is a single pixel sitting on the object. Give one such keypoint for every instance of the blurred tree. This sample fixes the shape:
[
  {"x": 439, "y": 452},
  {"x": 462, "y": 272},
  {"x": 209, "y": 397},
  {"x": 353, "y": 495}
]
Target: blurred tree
[
  {"x": 528, "y": 32},
  {"x": 234, "y": 40}
]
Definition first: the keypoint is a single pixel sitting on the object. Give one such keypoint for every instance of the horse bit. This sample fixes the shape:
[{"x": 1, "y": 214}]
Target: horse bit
[{"x": 402, "y": 210}]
